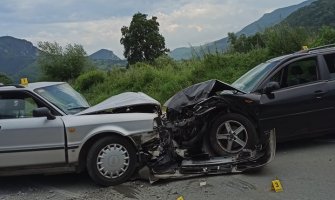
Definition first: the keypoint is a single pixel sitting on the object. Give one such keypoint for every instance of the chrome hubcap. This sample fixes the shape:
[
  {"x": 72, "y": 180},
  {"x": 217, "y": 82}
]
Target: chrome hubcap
[
  {"x": 113, "y": 161},
  {"x": 232, "y": 136}
]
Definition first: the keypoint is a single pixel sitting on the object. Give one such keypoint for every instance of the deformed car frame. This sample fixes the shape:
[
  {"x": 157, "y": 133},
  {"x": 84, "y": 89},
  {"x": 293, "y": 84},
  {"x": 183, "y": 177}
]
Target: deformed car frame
[
  {"x": 50, "y": 128},
  {"x": 185, "y": 148}
]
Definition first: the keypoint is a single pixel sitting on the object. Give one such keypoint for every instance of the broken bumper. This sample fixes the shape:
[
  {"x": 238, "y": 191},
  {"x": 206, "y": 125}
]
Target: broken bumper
[{"x": 219, "y": 165}]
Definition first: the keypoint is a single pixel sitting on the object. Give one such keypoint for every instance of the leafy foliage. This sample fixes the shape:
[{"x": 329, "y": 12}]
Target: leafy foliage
[
  {"x": 279, "y": 40},
  {"x": 284, "y": 39},
  {"x": 5, "y": 79},
  {"x": 316, "y": 15},
  {"x": 243, "y": 44},
  {"x": 87, "y": 80},
  {"x": 164, "y": 77},
  {"x": 142, "y": 40},
  {"x": 61, "y": 64},
  {"x": 326, "y": 36}
]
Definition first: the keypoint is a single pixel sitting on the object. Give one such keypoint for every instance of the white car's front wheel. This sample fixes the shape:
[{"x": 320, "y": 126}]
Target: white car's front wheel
[{"x": 111, "y": 160}]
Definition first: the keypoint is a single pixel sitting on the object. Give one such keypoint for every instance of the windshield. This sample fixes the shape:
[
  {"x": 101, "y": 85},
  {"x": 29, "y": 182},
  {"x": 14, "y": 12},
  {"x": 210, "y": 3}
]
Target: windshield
[
  {"x": 64, "y": 97},
  {"x": 249, "y": 80}
]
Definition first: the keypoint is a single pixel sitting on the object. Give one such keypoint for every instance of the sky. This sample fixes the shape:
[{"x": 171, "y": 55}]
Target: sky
[{"x": 96, "y": 24}]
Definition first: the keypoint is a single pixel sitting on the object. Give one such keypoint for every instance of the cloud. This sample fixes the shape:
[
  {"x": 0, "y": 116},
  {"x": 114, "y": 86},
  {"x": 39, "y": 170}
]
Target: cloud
[{"x": 97, "y": 24}]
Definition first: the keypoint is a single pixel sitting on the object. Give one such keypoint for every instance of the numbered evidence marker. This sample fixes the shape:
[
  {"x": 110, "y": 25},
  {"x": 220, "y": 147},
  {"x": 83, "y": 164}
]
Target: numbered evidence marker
[
  {"x": 24, "y": 81},
  {"x": 276, "y": 186},
  {"x": 180, "y": 198}
]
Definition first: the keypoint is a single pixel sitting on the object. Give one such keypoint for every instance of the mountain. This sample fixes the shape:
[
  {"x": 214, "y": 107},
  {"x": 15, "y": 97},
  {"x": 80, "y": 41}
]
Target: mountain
[
  {"x": 17, "y": 58},
  {"x": 267, "y": 20},
  {"x": 316, "y": 15},
  {"x": 106, "y": 59},
  {"x": 104, "y": 54}
]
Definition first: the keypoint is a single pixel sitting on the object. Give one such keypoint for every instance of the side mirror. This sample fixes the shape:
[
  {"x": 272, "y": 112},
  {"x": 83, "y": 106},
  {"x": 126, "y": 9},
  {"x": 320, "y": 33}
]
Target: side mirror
[
  {"x": 43, "y": 112},
  {"x": 270, "y": 87}
]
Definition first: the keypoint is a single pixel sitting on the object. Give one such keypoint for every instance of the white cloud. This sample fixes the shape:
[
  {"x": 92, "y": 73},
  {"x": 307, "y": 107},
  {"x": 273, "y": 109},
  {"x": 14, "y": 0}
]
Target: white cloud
[{"x": 97, "y": 24}]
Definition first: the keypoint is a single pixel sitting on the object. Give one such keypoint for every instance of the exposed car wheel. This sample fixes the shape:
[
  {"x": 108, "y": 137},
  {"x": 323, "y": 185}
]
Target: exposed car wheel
[
  {"x": 111, "y": 160},
  {"x": 231, "y": 133}
]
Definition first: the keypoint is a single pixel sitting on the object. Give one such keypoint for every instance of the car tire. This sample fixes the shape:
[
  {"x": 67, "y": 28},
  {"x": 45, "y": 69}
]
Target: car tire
[
  {"x": 231, "y": 133},
  {"x": 111, "y": 160}
]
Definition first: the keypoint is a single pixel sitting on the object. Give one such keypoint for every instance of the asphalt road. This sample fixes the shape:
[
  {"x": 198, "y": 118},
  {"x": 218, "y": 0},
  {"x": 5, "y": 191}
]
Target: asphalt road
[{"x": 305, "y": 168}]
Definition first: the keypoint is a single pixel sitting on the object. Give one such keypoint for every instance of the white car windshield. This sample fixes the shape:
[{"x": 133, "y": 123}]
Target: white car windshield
[{"x": 64, "y": 97}]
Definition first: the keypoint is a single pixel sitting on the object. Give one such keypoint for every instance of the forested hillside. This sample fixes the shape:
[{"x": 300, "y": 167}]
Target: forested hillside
[{"x": 316, "y": 15}]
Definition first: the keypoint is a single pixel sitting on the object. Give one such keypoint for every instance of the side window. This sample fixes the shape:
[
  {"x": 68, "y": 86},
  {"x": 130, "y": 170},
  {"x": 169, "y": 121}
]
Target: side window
[
  {"x": 330, "y": 59},
  {"x": 296, "y": 73},
  {"x": 16, "y": 105}
]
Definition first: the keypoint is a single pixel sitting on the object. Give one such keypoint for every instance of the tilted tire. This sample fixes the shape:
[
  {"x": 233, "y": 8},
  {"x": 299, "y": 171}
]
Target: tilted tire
[
  {"x": 231, "y": 133},
  {"x": 111, "y": 160}
]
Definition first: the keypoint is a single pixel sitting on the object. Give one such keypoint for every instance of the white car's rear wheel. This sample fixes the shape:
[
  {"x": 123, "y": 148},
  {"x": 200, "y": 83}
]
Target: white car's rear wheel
[{"x": 111, "y": 160}]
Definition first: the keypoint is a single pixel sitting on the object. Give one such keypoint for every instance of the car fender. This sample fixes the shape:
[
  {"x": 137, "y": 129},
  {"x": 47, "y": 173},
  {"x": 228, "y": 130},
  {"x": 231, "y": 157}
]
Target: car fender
[{"x": 80, "y": 129}]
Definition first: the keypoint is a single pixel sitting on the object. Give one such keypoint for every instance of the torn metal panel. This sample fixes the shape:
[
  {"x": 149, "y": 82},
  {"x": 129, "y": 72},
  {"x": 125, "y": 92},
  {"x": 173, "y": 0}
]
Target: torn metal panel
[
  {"x": 187, "y": 167},
  {"x": 196, "y": 93},
  {"x": 123, "y": 100}
]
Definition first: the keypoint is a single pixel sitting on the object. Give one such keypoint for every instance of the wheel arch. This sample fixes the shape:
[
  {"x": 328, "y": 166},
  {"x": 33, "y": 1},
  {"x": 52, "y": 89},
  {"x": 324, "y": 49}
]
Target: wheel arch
[{"x": 88, "y": 143}]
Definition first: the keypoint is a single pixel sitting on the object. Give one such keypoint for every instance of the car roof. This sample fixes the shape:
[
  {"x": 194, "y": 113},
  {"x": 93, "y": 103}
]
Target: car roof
[
  {"x": 313, "y": 51},
  {"x": 30, "y": 86}
]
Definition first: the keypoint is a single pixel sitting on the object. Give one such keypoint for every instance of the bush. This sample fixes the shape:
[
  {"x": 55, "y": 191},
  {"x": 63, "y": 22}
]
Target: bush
[
  {"x": 284, "y": 39},
  {"x": 326, "y": 36},
  {"x": 166, "y": 77},
  {"x": 89, "y": 79},
  {"x": 5, "y": 79}
]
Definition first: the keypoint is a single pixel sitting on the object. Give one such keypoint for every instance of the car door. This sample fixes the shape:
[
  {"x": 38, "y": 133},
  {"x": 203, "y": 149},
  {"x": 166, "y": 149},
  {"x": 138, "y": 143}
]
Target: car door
[
  {"x": 297, "y": 108},
  {"x": 26, "y": 140}
]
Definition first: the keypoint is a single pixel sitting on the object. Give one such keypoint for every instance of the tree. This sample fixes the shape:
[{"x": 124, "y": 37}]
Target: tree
[
  {"x": 243, "y": 43},
  {"x": 61, "y": 64},
  {"x": 142, "y": 40},
  {"x": 5, "y": 79},
  {"x": 284, "y": 39},
  {"x": 325, "y": 36}
]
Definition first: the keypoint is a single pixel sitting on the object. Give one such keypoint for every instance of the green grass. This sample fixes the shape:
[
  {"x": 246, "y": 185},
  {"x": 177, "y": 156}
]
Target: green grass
[{"x": 165, "y": 77}]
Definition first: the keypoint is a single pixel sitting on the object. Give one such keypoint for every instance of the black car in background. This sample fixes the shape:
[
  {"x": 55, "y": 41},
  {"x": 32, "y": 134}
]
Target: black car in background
[{"x": 292, "y": 94}]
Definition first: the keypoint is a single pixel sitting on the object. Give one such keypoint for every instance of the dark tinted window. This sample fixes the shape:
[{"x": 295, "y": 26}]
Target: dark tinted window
[
  {"x": 296, "y": 73},
  {"x": 330, "y": 59}
]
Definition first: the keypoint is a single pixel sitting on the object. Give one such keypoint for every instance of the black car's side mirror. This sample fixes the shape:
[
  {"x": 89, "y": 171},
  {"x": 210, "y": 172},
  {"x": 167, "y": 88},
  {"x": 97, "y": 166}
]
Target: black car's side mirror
[
  {"x": 270, "y": 87},
  {"x": 43, "y": 112}
]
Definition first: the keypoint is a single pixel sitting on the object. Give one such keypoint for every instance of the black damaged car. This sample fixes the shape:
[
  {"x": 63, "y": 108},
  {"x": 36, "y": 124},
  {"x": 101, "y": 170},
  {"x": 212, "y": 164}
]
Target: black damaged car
[
  {"x": 212, "y": 127},
  {"x": 293, "y": 94}
]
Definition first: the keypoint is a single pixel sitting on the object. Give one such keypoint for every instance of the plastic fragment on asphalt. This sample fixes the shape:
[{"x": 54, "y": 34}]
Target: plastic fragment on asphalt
[
  {"x": 180, "y": 198},
  {"x": 276, "y": 185},
  {"x": 203, "y": 183}
]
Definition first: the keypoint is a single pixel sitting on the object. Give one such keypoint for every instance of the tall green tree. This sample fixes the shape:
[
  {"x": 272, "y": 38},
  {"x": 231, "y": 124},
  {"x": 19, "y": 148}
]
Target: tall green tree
[
  {"x": 61, "y": 64},
  {"x": 142, "y": 40}
]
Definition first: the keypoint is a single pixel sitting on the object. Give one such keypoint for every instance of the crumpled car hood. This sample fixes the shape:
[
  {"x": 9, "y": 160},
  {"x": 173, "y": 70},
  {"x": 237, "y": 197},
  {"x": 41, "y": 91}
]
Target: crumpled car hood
[
  {"x": 196, "y": 93},
  {"x": 121, "y": 100}
]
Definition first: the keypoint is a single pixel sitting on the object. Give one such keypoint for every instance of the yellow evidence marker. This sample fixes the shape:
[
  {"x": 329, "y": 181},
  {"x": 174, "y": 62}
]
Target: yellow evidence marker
[
  {"x": 180, "y": 198},
  {"x": 276, "y": 186},
  {"x": 24, "y": 81}
]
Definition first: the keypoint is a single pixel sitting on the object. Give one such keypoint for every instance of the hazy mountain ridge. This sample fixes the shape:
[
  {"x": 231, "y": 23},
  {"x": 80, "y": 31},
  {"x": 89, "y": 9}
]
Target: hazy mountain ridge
[
  {"x": 267, "y": 20},
  {"x": 18, "y": 59}
]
